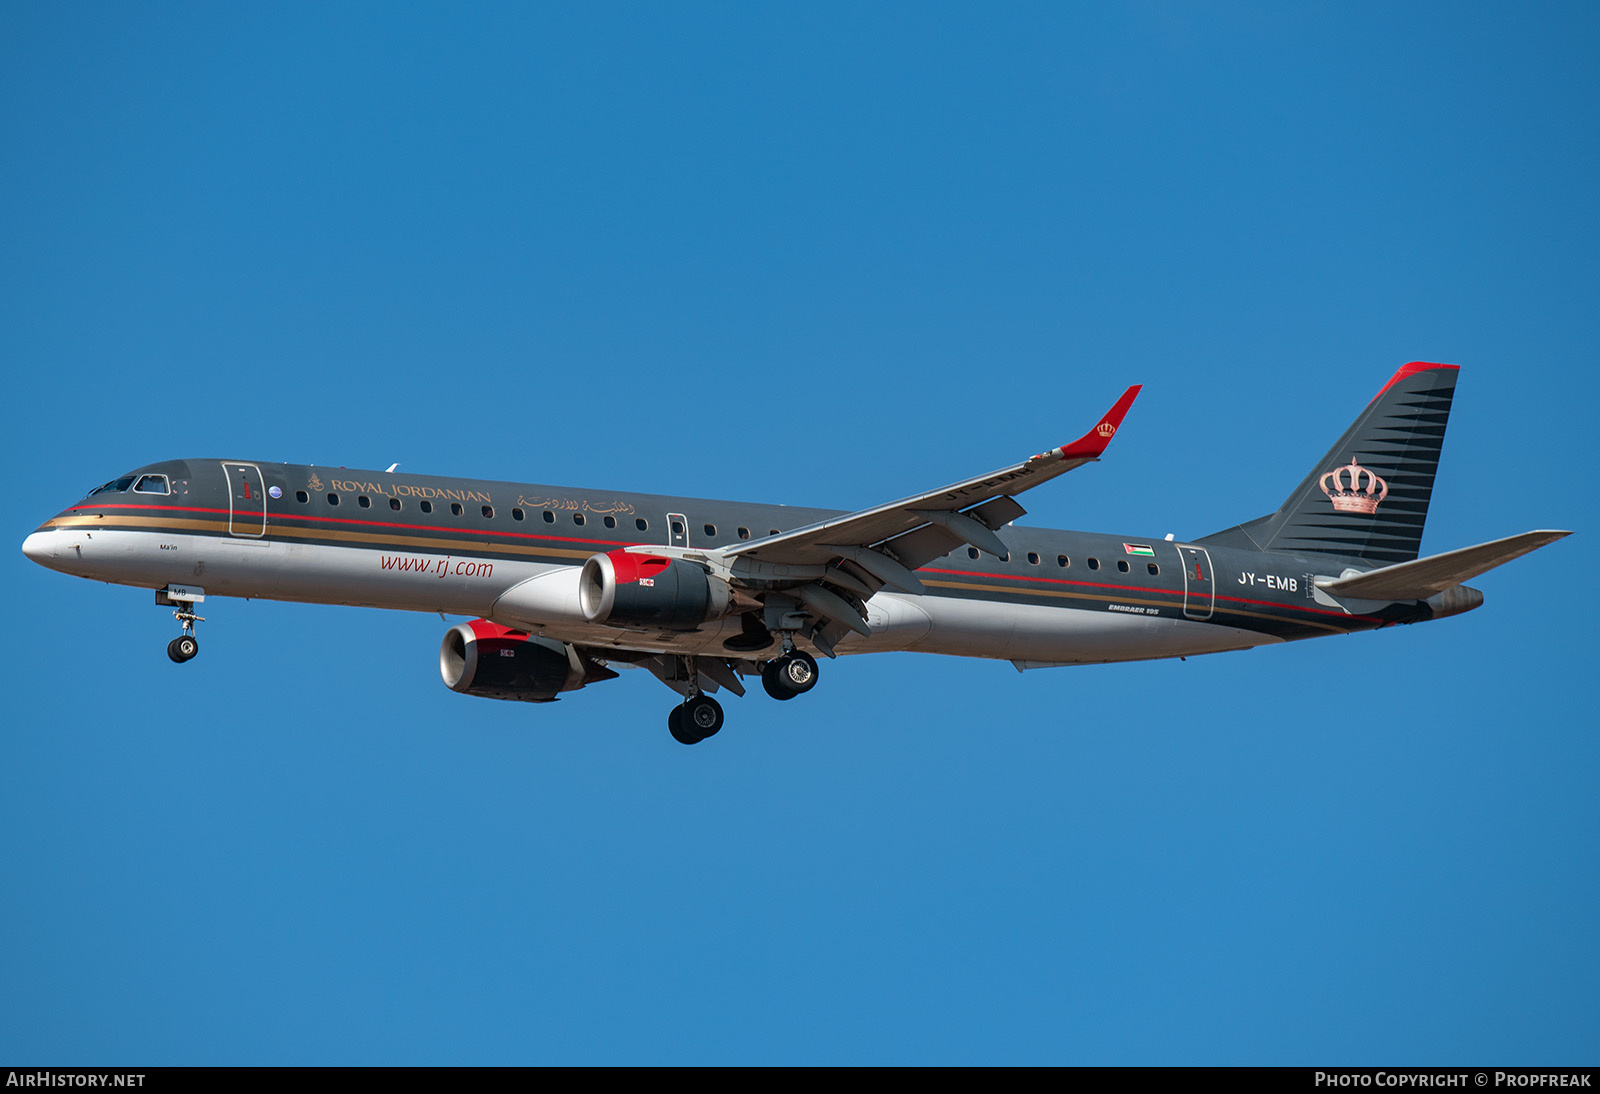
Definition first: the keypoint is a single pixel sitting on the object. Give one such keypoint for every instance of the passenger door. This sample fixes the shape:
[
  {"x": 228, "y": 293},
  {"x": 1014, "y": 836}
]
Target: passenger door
[
  {"x": 247, "y": 500},
  {"x": 1199, "y": 590}
]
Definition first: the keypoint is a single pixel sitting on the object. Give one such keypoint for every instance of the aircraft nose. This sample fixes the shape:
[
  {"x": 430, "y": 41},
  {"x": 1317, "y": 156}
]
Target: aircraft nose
[
  {"x": 45, "y": 548},
  {"x": 37, "y": 546}
]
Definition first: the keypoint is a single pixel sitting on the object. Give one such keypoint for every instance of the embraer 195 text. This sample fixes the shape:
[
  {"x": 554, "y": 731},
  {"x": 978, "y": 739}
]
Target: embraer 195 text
[{"x": 565, "y": 582}]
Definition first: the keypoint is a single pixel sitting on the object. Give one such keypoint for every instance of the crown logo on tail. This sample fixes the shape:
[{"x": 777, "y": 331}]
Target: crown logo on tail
[
  {"x": 1354, "y": 489},
  {"x": 1105, "y": 429}
]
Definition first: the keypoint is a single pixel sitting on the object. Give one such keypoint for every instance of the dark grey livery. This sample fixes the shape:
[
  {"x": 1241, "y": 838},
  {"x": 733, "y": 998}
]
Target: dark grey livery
[
  {"x": 564, "y": 583},
  {"x": 1381, "y": 470}
]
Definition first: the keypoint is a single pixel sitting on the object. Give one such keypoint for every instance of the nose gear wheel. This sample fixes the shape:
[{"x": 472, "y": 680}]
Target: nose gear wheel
[{"x": 186, "y": 645}]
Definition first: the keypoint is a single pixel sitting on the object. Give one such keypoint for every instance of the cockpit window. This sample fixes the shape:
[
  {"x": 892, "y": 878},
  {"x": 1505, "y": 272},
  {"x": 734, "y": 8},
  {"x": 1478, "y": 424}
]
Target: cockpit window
[
  {"x": 151, "y": 484},
  {"x": 115, "y": 486}
]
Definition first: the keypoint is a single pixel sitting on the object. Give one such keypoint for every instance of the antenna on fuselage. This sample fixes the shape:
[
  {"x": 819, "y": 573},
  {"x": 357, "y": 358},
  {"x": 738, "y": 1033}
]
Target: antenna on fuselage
[{"x": 392, "y": 466}]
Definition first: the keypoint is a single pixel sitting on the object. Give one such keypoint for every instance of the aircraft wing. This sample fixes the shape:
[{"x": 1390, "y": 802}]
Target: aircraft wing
[{"x": 889, "y": 541}]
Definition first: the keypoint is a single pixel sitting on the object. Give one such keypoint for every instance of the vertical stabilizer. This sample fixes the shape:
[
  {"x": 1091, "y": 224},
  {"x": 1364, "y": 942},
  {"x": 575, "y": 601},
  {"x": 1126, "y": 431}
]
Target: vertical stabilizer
[{"x": 1368, "y": 497}]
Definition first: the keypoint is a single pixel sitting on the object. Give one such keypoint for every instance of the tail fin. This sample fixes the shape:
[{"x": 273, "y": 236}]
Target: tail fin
[{"x": 1368, "y": 497}]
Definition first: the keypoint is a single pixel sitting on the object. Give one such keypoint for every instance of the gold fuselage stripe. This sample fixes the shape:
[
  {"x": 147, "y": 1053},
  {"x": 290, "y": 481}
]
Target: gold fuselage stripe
[{"x": 219, "y": 529}]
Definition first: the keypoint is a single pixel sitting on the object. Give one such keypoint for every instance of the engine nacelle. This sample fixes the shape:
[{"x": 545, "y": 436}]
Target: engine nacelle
[
  {"x": 483, "y": 658},
  {"x": 627, "y": 589}
]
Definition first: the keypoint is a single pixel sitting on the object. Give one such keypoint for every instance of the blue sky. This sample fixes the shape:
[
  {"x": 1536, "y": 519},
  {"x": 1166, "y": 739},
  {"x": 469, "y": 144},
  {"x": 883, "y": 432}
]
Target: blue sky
[{"x": 828, "y": 255}]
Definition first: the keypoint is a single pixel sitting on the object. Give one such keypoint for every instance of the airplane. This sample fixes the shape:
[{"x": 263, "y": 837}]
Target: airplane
[{"x": 562, "y": 583}]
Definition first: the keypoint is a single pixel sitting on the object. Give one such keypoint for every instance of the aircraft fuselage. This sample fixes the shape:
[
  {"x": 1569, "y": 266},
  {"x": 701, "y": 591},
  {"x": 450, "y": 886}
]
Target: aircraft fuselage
[
  {"x": 459, "y": 546},
  {"x": 562, "y": 582}
]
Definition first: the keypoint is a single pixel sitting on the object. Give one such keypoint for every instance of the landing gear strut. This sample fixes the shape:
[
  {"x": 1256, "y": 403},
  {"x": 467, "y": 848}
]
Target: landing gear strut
[
  {"x": 695, "y": 719},
  {"x": 795, "y": 673},
  {"x": 186, "y": 645}
]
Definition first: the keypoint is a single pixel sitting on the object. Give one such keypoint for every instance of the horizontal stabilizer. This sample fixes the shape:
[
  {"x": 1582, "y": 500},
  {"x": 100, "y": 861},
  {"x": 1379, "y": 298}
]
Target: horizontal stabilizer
[{"x": 1425, "y": 577}]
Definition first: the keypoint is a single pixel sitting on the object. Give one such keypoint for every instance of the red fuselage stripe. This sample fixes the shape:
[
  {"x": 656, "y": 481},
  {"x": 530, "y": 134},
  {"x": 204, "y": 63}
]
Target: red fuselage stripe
[
  {"x": 285, "y": 517},
  {"x": 1143, "y": 589},
  {"x": 619, "y": 543}
]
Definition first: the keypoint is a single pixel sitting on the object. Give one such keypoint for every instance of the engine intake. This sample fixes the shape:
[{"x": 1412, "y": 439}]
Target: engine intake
[
  {"x": 483, "y": 658},
  {"x": 628, "y": 589}
]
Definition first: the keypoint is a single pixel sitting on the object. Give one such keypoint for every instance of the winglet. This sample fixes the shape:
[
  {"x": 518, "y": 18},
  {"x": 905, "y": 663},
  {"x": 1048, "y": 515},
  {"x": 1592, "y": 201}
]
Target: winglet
[{"x": 1091, "y": 444}]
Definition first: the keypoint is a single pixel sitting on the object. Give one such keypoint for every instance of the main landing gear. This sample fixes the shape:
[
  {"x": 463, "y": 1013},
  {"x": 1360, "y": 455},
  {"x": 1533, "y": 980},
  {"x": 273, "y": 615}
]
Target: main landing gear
[
  {"x": 700, "y": 716},
  {"x": 795, "y": 673},
  {"x": 695, "y": 719}
]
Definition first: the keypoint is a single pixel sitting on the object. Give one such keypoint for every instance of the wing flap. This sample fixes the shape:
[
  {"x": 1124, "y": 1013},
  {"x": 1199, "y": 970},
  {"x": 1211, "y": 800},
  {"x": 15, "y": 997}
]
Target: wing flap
[
  {"x": 922, "y": 546},
  {"x": 997, "y": 513}
]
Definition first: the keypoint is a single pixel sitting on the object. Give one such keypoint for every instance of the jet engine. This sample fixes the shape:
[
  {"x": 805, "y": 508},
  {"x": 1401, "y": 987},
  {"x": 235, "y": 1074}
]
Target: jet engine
[
  {"x": 483, "y": 658},
  {"x": 627, "y": 589}
]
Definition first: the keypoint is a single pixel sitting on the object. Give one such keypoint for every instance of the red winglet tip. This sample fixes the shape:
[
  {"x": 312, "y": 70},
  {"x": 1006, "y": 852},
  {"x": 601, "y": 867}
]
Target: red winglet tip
[
  {"x": 1408, "y": 370},
  {"x": 1091, "y": 444}
]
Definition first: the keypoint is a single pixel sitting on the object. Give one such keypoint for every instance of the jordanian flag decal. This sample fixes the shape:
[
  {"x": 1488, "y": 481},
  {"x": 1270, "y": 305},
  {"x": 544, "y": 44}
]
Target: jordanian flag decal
[{"x": 1140, "y": 549}]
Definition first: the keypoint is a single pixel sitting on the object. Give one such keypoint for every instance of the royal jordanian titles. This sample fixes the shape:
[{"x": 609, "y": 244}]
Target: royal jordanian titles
[{"x": 563, "y": 583}]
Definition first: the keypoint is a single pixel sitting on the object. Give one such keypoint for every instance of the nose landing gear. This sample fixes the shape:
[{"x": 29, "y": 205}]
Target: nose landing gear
[
  {"x": 186, "y": 645},
  {"x": 181, "y": 600}
]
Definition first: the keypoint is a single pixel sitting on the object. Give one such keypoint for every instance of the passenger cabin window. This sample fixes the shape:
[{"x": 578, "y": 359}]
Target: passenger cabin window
[
  {"x": 517, "y": 514},
  {"x": 151, "y": 484},
  {"x": 455, "y": 509},
  {"x": 394, "y": 503},
  {"x": 549, "y": 517},
  {"x": 611, "y": 522},
  {"x": 364, "y": 501},
  {"x": 711, "y": 529},
  {"x": 1122, "y": 564},
  {"x": 1063, "y": 561},
  {"x": 577, "y": 518},
  {"x": 301, "y": 496},
  {"x": 744, "y": 533},
  {"x": 1154, "y": 569},
  {"x": 972, "y": 552},
  {"x": 488, "y": 512},
  {"x": 641, "y": 524},
  {"x": 426, "y": 507},
  {"x": 677, "y": 527},
  {"x": 333, "y": 499},
  {"x": 1094, "y": 564},
  {"x": 1033, "y": 558}
]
